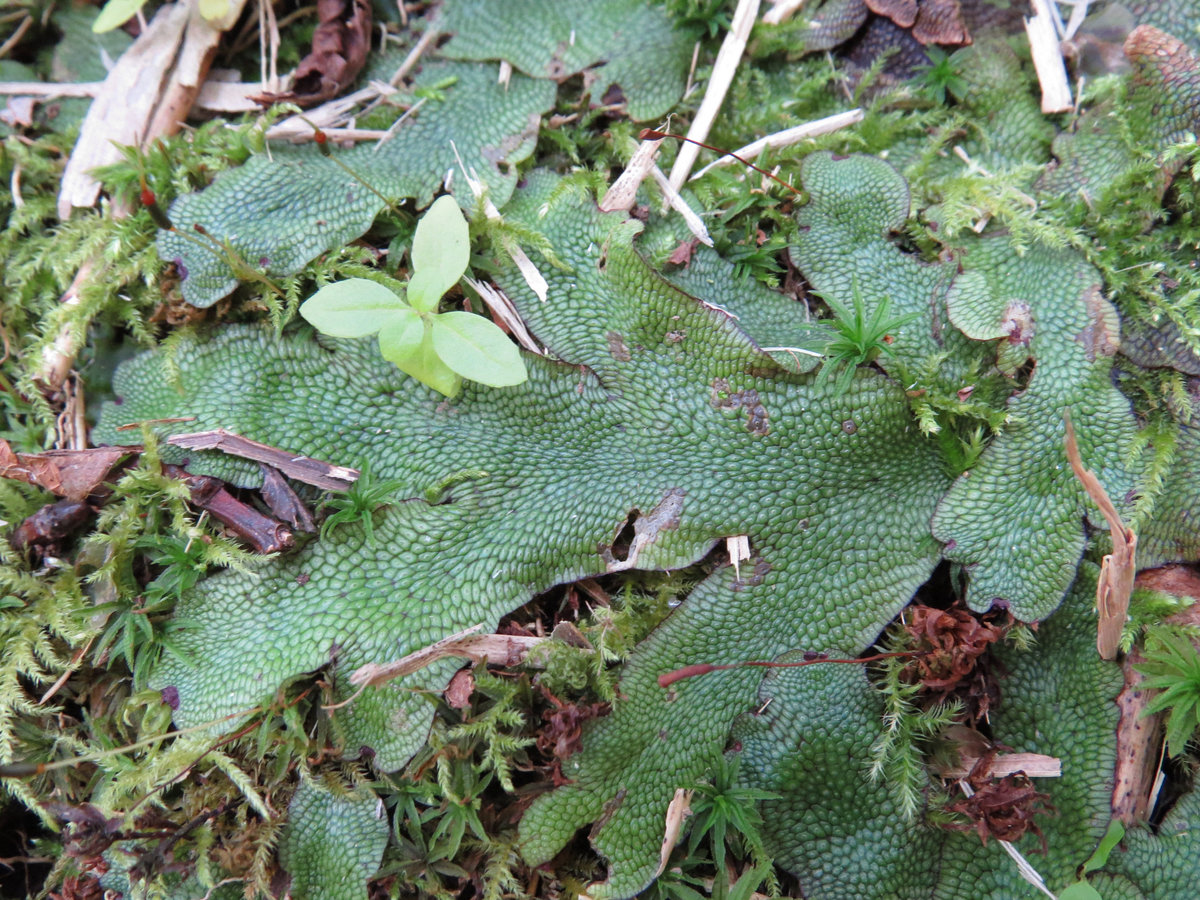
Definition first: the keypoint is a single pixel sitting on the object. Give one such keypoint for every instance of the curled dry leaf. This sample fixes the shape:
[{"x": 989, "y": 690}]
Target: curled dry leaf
[
  {"x": 1002, "y": 808},
  {"x": 562, "y": 731},
  {"x": 498, "y": 649},
  {"x": 678, "y": 810},
  {"x": 339, "y": 51},
  {"x": 682, "y": 255},
  {"x": 73, "y": 474},
  {"x": 283, "y": 502},
  {"x": 458, "y": 692},
  {"x": 950, "y": 644}
]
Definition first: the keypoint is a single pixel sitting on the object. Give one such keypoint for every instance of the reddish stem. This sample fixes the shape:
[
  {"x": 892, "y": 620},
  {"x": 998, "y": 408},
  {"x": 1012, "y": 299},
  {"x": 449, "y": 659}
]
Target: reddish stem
[{"x": 650, "y": 134}]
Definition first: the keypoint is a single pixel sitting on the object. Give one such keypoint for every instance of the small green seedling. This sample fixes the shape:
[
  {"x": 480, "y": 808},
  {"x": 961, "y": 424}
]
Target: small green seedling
[
  {"x": 437, "y": 349},
  {"x": 860, "y": 338},
  {"x": 1081, "y": 889}
]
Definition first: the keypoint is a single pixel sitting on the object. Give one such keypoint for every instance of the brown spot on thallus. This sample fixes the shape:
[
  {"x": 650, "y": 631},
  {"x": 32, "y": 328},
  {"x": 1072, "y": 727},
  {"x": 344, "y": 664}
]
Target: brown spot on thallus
[
  {"x": 761, "y": 568},
  {"x": 609, "y": 810},
  {"x": 1017, "y": 323},
  {"x": 674, "y": 337},
  {"x": 756, "y": 413},
  {"x": 617, "y": 347},
  {"x": 850, "y": 426},
  {"x": 303, "y": 579}
]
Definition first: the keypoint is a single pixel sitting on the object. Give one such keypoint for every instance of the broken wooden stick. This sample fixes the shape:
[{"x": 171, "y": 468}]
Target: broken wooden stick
[
  {"x": 262, "y": 533},
  {"x": 303, "y": 468},
  {"x": 498, "y": 649},
  {"x": 728, "y": 58},
  {"x": 1035, "y": 765},
  {"x": 1048, "y": 59},
  {"x": 786, "y": 138}
]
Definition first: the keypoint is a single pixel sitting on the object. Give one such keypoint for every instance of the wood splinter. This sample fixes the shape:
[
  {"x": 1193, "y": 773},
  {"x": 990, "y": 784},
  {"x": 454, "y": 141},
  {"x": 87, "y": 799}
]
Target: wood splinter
[
  {"x": 302, "y": 468},
  {"x": 1115, "y": 585}
]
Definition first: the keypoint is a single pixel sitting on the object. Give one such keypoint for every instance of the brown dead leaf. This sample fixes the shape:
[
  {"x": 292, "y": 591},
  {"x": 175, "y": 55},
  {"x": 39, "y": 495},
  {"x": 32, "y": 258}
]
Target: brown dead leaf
[
  {"x": 1002, "y": 808},
  {"x": 1115, "y": 584},
  {"x": 678, "y": 810},
  {"x": 73, "y": 474},
  {"x": 562, "y": 733},
  {"x": 682, "y": 255},
  {"x": 458, "y": 692},
  {"x": 339, "y": 51}
]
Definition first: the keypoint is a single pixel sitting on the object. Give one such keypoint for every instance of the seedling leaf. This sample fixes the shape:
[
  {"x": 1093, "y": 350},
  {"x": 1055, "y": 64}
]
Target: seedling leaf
[
  {"x": 427, "y": 368},
  {"x": 115, "y": 14},
  {"x": 476, "y": 349},
  {"x": 440, "y": 252},
  {"x": 1080, "y": 890},
  {"x": 214, "y": 10},
  {"x": 425, "y": 289},
  {"x": 1112, "y": 837},
  {"x": 352, "y": 308},
  {"x": 401, "y": 335}
]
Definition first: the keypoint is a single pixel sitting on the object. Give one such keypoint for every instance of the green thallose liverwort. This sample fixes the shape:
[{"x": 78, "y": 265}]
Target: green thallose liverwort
[{"x": 437, "y": 349}]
